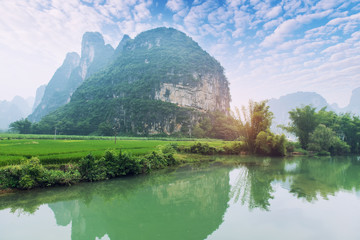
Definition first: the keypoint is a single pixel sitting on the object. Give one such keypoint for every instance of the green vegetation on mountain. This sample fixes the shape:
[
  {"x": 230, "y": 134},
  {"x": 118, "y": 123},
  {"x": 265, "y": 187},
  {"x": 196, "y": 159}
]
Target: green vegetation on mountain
[{"x": 123, "y": 95}]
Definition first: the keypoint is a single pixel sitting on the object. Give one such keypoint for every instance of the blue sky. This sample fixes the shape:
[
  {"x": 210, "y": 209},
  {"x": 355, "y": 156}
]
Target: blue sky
[{"x": 268, "y": 48}]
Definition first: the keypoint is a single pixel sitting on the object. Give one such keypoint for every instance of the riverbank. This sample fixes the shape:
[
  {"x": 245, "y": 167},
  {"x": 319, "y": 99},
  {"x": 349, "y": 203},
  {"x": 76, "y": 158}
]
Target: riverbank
[{"x": 33, "y": 173}]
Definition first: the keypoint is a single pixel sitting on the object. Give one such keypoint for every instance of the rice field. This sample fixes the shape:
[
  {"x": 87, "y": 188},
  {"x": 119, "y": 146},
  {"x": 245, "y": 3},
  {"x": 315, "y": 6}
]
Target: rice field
[{"x": 15, "y": 147}]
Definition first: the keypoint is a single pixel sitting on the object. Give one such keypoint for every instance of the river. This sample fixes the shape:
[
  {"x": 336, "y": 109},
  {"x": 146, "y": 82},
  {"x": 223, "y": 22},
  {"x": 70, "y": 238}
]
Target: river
[{"x": 231, "y": 198}]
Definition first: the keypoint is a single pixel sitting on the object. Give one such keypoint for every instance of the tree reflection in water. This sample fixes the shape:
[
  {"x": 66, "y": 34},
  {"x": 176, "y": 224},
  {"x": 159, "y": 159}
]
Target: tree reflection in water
[
  {"x": 188, "y": 202},
  {"x": 307, "y": 178}
]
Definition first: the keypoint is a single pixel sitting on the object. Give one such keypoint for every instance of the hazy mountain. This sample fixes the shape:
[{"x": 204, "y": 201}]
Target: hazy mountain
[
  {"x": 354, "y": 105},
  {"x": 281, "y": 107},
  {"x": 74, "y": 70},
  {"x": 159, "y": 82},
  {"x": 39, "y": 95},
  {"x": 14, "y": 110}
]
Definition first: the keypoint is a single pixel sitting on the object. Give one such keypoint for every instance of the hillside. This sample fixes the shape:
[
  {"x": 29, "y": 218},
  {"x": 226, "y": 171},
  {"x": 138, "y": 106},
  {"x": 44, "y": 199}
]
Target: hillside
[
  {"x": 161, "y": 82},
  {"x": 70, "y": 75}
]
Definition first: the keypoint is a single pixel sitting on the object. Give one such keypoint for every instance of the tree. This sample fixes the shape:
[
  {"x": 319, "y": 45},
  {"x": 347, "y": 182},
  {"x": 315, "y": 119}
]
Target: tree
[
  {"x": 22, "y": 126},
  {"x": 252, "y": 121},
  {"x": 303, "y": 122},
  {"x": 324, "y": 139},
  {"x": 350, "y": 131},
  {"x": 268, "y": 143},
  {"x": 216, "y": 125}
]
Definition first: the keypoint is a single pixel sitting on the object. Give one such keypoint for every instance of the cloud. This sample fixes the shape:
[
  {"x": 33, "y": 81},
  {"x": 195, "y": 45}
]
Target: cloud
[
  {"x": 282, "y": 31},
  {"x": 274, "y": 12},
  {"x": 44, "y": 31},
  {"x": 328, "y": 4},
  {"x": 175, "y": 5},
  {"x": 197, "y": 16}
]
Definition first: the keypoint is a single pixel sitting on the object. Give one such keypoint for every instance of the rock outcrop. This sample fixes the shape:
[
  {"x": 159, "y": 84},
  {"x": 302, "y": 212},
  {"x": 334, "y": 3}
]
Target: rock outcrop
[
  {"x": 210, "y": 94},
  {"x": 39, "y": 95},
  {"x": 75, "y": 69},
  {"x": 354, "y": 105}
]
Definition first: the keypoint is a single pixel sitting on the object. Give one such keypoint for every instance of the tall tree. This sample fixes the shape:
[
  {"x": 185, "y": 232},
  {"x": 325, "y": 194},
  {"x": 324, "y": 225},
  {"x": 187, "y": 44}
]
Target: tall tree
[
  {"x": 253, "y": 120},
  {"x": 22, "y": 126},
  {"x": 303, "y": 122}
]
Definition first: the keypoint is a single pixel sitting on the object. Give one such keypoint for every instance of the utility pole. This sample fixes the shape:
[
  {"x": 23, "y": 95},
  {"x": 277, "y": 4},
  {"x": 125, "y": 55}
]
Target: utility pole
[
  {"x": 116, "y": 127},
  {"x": 55, "y": 134}
]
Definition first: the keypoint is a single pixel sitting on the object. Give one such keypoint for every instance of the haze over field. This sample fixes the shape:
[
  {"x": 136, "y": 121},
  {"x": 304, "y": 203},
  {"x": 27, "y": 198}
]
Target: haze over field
[{"x": 268, "y": 48}]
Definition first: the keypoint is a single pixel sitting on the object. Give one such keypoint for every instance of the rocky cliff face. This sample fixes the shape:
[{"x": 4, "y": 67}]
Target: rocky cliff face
[
  {"x": 209, "y": 94},
  {"x": 74, "y": 70}
]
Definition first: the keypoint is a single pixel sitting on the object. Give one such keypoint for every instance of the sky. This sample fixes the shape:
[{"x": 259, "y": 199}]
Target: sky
[{"x": 268, "y": 48}]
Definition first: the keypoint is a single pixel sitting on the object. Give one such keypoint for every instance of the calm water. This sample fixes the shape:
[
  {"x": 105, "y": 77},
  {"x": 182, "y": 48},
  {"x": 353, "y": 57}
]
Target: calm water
[{"x": 256, "y": 198}]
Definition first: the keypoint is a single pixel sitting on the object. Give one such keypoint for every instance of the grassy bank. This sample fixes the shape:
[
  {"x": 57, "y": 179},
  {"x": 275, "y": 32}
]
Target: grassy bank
[
  {"x": 16, "y": 148},
  {"x": 37, "y": 162}
]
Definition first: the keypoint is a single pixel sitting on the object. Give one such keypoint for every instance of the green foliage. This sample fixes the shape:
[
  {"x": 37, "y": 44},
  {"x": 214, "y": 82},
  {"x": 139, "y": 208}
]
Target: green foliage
[
  {"x": 235, "y": 148},
  {"x": 114, "y": 165},
  {"x": 303, "y": 122},
  {"x": 32, "y": 174},
  {"x": 344, "y": 127},
  {"x": 156, "y": 160},
  {"x": 216, "y": 125},
  {"x": 126, "y": 89},
  {"x": 324, "y": 139},
  {"x": 252, "y": 121},
  {"x": 269, "y": 144},
  {"x": 62, "y": 151},
  {"x": 339, "y": 147},
  {"x": 201, "y": 148},
  {"x": 22, "y": 126}
]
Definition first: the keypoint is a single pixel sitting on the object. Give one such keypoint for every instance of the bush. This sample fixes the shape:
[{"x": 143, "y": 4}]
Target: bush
[
  {"x": 157, "y": 160},
  {"x": 268, "y": 143},
  {"x": 109, "y": 166},
  {"x": 235, "y": 148},
  {"x": 199, "y": 148},
  {"x": 32, "y": 174},
  {"x": 128, "y": 164},
  {"x": 323, "y": 153},
  {"x": 339, "y": 147}
]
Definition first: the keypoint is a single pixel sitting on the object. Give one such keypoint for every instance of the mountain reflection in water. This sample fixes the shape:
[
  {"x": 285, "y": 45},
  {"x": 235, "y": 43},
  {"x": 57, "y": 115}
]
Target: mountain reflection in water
[{"x": 189, "y": 202}]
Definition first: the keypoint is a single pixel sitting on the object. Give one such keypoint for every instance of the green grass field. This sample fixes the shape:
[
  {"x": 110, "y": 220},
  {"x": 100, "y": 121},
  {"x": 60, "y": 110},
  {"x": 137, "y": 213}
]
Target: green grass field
[{"x": 15, "y": 147}]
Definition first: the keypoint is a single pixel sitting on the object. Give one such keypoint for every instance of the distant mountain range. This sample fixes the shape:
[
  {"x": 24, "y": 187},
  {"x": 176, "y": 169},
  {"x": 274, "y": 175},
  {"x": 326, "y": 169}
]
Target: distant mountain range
[
  {"x": 14, "y": 110},
  {"x": 281, "y": 107}
]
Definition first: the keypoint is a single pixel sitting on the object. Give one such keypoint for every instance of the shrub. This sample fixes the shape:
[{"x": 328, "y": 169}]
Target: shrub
[
  {"x": 109, "y": 166},
  {"x": 129, "y": 164},
  {"x": 199, "y": 148},
  {"x": 268, "y": 143},
  {"x": 235, "y": 148}
]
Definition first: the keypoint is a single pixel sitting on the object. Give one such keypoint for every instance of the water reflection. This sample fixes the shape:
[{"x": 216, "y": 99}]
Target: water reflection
[
  {"x": 189, "y": 202},
  {"x": 306, "y": 178},
  {"x": 185, "y": 204}
]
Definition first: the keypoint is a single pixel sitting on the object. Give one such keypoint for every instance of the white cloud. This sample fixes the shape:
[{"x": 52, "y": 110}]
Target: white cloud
[
  {"x": 328, "y": 4},
  {"x": 44, "y": 31},
  {"x": 274, "y": 12},
  {"x": 175, "y": 5},
  {"x": 282, "y": 31}
]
